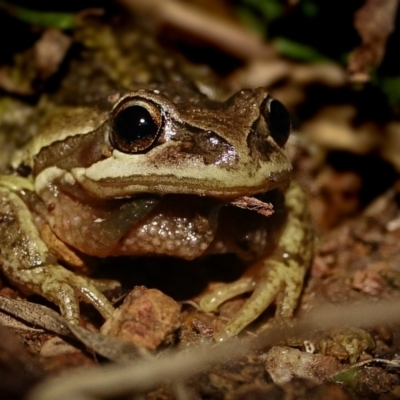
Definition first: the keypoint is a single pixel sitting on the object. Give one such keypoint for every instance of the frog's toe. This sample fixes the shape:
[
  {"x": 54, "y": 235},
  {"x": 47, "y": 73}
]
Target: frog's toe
[
  {"x": 211, "y": 301},
  {"x": 65, "y": 289},
  {"x": 280, "y": 281},
  {"x": 89, "y": 292},
  {"x": 62, "y": 295}
]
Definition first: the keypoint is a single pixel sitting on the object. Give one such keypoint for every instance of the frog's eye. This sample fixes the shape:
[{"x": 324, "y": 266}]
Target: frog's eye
[
  {"x": 135, "y": 126},
  {"x": 278, "y": 121}
]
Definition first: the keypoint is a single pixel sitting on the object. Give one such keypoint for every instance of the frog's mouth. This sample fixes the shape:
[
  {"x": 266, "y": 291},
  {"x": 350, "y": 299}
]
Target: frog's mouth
[
  {"x": 228, "y": 188},
  {"x": 123, "y": 175}
]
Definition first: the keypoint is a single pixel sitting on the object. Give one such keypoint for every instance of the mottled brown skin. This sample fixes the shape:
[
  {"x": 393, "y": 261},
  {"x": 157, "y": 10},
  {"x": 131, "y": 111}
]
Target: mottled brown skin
[{"x": 162, "y": 194}]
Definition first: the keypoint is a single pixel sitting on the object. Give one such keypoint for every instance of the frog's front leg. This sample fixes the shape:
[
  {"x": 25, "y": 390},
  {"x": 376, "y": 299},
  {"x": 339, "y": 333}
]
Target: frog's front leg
[
  {"x": 26, "y": 261},
  {"x": 281, "y": 275}
]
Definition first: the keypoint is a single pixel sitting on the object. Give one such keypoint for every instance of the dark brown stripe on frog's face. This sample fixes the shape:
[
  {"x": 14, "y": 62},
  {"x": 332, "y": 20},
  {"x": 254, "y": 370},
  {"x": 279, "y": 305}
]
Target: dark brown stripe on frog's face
[{"x": 75, "y": 151}]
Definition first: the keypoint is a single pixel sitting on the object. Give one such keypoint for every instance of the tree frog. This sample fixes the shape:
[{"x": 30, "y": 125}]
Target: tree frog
[{"x": 157, "y": 171}]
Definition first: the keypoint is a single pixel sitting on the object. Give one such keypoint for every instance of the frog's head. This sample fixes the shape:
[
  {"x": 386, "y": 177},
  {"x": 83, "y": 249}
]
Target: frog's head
[{"x": 168, "y": 141}]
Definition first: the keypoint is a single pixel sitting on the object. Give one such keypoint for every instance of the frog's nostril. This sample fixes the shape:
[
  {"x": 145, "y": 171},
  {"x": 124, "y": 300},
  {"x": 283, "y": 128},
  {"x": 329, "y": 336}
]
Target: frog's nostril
[{"x": 278, "y": 121}]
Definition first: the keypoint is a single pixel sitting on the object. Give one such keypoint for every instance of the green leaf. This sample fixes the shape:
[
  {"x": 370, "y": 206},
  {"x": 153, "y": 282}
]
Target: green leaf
[
  {"x": 59, "y": 20},
  {"x": 298, "y": 51},
  {"x": 347, "y": 376},
  {"x": 270, "y": 10},
  {"x": 391, "y": 87},
  {"x": 251, "y": 21}
]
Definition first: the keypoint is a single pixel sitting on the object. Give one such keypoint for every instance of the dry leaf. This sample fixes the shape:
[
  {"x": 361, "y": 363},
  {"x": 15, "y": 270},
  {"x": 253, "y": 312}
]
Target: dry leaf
[
  {"x": 374, "y": 22},
  {"x": 253, "y": 204}
]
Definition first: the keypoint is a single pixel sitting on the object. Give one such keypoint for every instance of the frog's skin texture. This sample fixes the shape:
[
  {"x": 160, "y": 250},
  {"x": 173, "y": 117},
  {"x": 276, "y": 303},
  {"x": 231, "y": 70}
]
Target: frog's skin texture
[{"x": 152, "y": 172}]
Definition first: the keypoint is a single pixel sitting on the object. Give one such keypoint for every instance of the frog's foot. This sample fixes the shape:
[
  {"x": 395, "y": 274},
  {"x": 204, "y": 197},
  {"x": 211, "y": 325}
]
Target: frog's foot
[
  {"x": 15, "y": 183},
  {"x": 65, "y": 289},
  {"x": 26, "y": 261},
  {"x": 278, "y": 280},
  {"x": 281, "y": 277}
]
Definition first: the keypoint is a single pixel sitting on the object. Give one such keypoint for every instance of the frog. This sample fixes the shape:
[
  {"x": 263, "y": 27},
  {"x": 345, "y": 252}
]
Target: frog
[{"x": 157, "y": 170}]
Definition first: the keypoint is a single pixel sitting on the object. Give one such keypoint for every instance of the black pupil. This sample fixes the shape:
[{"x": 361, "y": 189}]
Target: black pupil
[
  {"x": 279, "y": 123},
  {"x": 135, "y": 123}
]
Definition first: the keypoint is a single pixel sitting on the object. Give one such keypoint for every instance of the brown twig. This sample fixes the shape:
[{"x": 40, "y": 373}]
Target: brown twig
[{"x": 222, "y": 33}]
